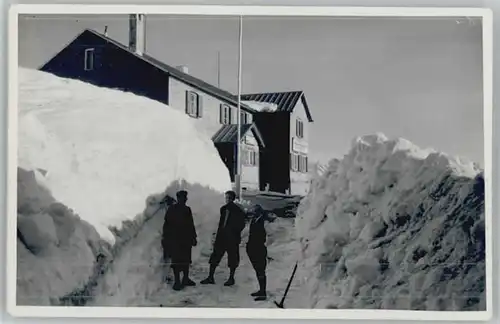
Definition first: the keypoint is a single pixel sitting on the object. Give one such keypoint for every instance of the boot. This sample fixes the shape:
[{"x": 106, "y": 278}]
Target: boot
[
  {"x": 261, "y": 294},
  {"x": 230, "y": 281},
  {"x": 177, "y": 284},
  {"x": 185, "y": 280},
  {"x": 210, "y": 279},
  {"x": 258, "y": 292}
]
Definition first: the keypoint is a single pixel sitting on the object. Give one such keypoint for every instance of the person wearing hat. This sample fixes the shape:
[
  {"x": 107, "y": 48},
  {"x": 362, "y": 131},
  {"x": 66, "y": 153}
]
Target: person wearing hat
[
  {"x": 179, "y": 236},
  {"x": 256, "y": 248},
  {"x": 227, "y": 239}
]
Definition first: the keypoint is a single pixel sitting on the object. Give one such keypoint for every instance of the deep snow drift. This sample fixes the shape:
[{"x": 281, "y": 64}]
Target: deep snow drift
[
  {"x": 105, "y": 151},
  {"x": 395, "y": 227},
  {"x": 102, "y": 153},
  {"x": 56, "y": 250}
]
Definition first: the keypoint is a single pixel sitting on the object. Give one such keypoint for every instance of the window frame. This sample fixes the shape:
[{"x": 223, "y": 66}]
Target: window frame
[
  {"x": 193, "y": 110},
  {"x": 226, "y": 114},
  {"x": 249, "y": 157},
  {"x": 89, "y": 59},
  {"x": 299, "y": 128},
  {"x": 244, "y": 117},
  {"x": 298, "y": 162}
]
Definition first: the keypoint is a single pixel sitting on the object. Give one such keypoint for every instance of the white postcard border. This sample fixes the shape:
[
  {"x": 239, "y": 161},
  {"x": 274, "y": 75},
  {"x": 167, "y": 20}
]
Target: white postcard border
[{"x": 237, "y": 10}]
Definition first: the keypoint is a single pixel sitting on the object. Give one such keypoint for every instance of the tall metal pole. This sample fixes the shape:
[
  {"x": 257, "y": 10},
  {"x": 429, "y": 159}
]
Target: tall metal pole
[
  {"x": 238, "y": 172},
  {"x": 218, "y": 69}
]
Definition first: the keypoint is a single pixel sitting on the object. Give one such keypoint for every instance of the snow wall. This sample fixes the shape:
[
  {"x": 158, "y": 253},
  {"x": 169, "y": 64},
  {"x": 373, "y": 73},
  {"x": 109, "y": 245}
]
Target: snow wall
[
  {"x": 395, "y": 227},
  {"x": 56, "y": 250},
  {"x": 92, "y": 165}
]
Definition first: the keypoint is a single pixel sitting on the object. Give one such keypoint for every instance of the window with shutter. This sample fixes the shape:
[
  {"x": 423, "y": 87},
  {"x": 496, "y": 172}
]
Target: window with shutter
[
  {"x": 225, "y": 114},
  {"x": 299, "y": 128},
  {"x": 294, "y": 162},
  {"x": 200, "y": 106},
  {"x": 193, "y": 104},
  {"x": 244, "y": 118},
  {"x": 244, "y": 157}
]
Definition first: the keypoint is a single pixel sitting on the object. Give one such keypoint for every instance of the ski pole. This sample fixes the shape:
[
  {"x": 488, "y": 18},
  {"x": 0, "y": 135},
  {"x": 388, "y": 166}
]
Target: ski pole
[{"x": 281, "y": 304}]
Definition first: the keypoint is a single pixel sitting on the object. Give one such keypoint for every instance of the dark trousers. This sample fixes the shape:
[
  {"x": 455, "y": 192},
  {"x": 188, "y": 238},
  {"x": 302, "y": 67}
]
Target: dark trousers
[
  {"x": 179, "y": 255},
  {"x": 231, "y": 247},
  {"x": 257, "y": 253}
]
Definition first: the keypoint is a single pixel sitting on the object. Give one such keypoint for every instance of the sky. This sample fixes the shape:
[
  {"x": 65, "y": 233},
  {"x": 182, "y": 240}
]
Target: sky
[{"x": 416, "y": 78}]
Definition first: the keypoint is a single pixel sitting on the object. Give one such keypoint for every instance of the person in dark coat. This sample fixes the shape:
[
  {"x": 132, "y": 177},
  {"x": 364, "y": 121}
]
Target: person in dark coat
[
  {"x": 256, "y": 248},
  {"x": 179, "y": 236},
  {"x": 227, "y": 239}
]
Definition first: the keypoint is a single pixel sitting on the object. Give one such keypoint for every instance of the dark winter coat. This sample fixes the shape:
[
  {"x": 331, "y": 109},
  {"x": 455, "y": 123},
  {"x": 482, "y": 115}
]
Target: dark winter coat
[
  {"x": 179, "y": 232},
  {"x": 231, "y": 232},
  {"x": 257, "y": 232},
  {"x": 256, "y": 244}
]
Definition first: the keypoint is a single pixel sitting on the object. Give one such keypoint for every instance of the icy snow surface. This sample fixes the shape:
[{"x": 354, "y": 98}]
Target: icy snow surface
[
  {"x": 104, "y": 151},
  {"x": 392, "y": 226}
]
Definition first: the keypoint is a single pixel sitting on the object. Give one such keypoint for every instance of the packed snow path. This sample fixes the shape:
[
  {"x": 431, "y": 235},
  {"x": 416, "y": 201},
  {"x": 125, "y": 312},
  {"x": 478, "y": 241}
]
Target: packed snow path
[{"x": 136, "y": 277}]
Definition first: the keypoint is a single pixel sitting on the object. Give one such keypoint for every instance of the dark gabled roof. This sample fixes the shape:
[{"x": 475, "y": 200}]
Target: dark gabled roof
[
  {"x": 179, "y": 75},
  {"x": 286, "y": 101},
  {"x": 229, "y": 133}
]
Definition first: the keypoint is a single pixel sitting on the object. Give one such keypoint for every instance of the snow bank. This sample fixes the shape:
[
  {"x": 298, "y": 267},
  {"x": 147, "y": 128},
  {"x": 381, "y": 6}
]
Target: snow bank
[
  {"x": 260, "y": 106},
  {"x": 56, "y": 250},
  {"x": 102, "y": 151},
  {"x": 318, "y": 169},
  {"x": 396, "y": 227}
]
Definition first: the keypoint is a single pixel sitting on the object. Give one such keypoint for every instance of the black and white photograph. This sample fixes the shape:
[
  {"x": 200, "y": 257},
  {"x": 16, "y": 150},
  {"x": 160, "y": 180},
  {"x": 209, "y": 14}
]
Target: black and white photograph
[{"x": 244, "y": 161}]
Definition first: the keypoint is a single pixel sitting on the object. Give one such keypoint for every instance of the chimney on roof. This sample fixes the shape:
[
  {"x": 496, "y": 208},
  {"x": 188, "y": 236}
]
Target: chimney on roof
[
  {"x": 137, "y": 33},
  {"x": 183, "y": 69},
  {"x": 106, "y": 31}
]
